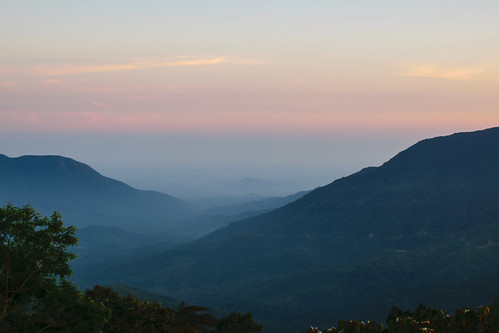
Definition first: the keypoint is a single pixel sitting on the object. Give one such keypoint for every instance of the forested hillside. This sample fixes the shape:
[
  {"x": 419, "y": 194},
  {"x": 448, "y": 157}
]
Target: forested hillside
[{"x": 413, "y": 230}]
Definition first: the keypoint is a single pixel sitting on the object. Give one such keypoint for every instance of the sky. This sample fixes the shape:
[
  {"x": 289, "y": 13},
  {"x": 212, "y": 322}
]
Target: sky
[{"x": 189, "y": 97}]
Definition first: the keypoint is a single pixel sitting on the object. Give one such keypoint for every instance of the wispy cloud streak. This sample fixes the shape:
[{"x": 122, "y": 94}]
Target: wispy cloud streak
[
  {"x": 447, "y": 73},
  {"x": 101, "y": 105},
  {"x": 131, "y": 66}
]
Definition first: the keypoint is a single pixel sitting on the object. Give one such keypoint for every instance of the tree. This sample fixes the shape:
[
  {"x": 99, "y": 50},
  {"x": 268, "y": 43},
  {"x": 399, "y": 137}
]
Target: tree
[
  {"x": 65, "y": 309},
  {"x": 33, "y": 265},
  {"x": 192, "y": 319},
  {"x": 238, "y": 323},
  {"x": 130, "y": 314}
]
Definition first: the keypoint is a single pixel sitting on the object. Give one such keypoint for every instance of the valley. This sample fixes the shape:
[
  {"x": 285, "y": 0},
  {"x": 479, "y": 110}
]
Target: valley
[{"x": 421, "y": 228}]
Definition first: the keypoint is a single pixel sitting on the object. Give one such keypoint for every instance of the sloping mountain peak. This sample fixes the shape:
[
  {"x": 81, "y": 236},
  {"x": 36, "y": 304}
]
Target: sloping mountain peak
[
  {"x": 434, "y": 184},
  {"x": 467, "y": 152},
  {"x": 83, "y": 196}
]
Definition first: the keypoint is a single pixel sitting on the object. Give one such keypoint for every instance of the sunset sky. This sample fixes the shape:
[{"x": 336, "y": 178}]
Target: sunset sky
[{"x": 178, "y": 95}]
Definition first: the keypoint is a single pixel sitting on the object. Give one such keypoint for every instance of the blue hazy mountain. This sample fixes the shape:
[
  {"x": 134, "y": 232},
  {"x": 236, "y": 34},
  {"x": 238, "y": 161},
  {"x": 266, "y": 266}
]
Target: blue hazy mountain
[
  {"x": 210, "y": 219},
  {"x": 421, "y": 228},
  {"x": 84, "y": 197},
  {"x": 260, "y": 205}
]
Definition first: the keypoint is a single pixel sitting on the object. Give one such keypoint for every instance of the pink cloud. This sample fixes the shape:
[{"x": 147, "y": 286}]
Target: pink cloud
[
  {"x": 54, "y": 82},
  {"x": 101, "y": 105},
  {"x": 10, "y": 84}
]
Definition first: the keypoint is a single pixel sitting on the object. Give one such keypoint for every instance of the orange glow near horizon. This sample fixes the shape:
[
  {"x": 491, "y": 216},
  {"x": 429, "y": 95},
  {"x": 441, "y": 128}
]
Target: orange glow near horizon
[
  {"x": 220, "y": 99},
  {"x": 311, "y": 123}
]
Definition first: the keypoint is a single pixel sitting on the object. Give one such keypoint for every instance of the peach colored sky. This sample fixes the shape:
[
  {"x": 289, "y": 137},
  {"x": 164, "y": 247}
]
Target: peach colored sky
[{"x": 247, "y": 68}]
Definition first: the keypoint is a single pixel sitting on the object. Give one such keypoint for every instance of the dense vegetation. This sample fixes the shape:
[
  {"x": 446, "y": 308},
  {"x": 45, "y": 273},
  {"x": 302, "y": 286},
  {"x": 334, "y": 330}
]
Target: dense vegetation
[
  {"x": 484, "y": 319},
  {"x": 127, "y": 314},
  {"x": 35, "y": 295}
]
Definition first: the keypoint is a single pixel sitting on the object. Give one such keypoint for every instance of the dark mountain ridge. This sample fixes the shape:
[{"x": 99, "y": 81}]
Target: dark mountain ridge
[
  {"x": 447, "y": 170},
  {"x": 351, "y": 248}
]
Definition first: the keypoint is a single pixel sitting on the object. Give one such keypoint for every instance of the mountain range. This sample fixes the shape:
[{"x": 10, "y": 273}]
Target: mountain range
[
  {"x": 421, "y": 228},
  {"x": 114, "y": 220}
]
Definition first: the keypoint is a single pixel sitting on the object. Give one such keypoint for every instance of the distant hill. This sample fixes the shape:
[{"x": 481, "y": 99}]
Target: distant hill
[
  {"x": 259, "y": 187},
  {"x": 255, "y": 205},
  {"x": 207, "y": 220},
  {"x": 84, "y": 197},
  {"x": 421, "y": 228}
]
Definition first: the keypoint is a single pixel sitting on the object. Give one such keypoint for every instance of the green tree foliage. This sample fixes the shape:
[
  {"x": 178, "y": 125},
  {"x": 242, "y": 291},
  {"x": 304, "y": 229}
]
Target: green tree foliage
[
  {"x": 189, "y": 320},
  {"x": 484, "y": 319},
  {"x": 352, "y": 326},
  {"x": 132, "y": 315},
  {"x": 238, "y": 323},
  {"x": 33, "y": 264},
  {"x": 65, "y": 309},
  {"x": 129, "y": 314},
  {"x": 427, "y": 319}
]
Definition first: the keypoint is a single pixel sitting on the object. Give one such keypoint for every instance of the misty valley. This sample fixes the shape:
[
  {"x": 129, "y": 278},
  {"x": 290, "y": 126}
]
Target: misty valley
[{"x": 408, "y": 246}]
